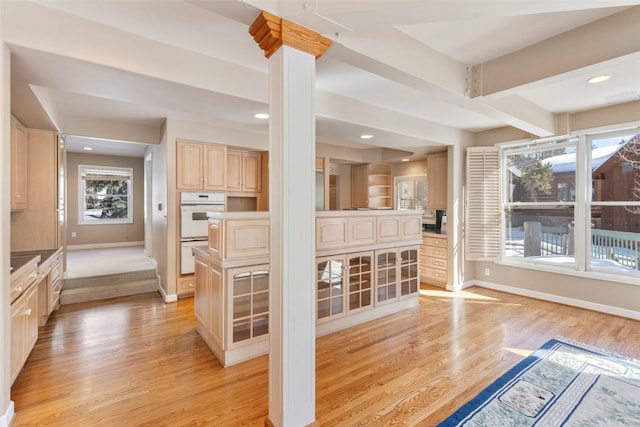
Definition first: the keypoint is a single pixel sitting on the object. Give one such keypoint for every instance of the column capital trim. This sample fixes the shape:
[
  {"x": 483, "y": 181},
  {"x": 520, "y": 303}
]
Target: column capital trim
[{"x": 271, "y": 32}]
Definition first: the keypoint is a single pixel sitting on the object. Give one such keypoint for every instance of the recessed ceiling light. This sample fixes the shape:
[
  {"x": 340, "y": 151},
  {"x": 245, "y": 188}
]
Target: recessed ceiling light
[
  {"x": 405, "y": 159},
  {"x": 598, "y": 79},
  {"x": 87, "y": 148},
  {"x": 366, "y": 136},
  {"x": 262, "y": 116}
]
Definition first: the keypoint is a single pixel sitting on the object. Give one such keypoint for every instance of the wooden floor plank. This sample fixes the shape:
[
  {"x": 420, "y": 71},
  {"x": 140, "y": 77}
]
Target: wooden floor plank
[{"x": 136, "y": 361}]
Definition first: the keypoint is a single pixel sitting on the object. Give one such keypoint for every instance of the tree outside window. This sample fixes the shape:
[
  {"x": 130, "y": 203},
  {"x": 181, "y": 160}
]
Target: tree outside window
[{"x": 105, "y": 195}]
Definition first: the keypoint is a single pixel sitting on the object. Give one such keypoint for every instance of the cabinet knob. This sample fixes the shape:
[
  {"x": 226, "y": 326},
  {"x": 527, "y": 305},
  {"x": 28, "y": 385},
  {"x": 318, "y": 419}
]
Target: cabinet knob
[
  {"x": 28, "y": 312},
  {"x": 19, "y": 289}
]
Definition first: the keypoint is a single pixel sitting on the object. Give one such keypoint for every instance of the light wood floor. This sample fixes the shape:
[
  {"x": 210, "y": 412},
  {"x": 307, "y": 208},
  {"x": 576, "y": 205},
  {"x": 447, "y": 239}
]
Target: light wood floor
[{"x": 136, "y": 361}]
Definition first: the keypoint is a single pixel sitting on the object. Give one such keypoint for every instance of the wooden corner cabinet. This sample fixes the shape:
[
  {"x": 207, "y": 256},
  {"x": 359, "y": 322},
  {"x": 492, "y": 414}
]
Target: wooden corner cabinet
[
  {"x": 372, "y": 186},
  {"x": 437, "y": 180},
  {"x": 244, "y": 171},
  {"x": 200, "y": 166},
  {"x": 19, "y": 162}
]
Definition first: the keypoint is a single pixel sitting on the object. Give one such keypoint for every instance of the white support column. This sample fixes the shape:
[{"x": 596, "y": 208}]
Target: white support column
[
  {"x": 292, "y": 50},
  {"x": 292, "y": 204}
]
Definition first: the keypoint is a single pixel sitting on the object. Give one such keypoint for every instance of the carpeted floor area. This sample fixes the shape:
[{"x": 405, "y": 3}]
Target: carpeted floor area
[{"x": 97, "y": 262}]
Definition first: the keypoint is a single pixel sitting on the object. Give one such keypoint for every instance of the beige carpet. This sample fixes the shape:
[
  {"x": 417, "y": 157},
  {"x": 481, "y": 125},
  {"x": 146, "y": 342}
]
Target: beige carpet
[{"x": 97, "y": 262}]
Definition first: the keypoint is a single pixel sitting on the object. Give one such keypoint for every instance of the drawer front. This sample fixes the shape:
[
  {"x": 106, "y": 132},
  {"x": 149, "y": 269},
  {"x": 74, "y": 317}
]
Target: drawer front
[
  {"x": 434, "y": 251},
  {"x": 432, "y": 274},
  {"x": 186, "y": 285},
  {"x": 434, "y": 241},
  {"x": 437, "y": 263}
]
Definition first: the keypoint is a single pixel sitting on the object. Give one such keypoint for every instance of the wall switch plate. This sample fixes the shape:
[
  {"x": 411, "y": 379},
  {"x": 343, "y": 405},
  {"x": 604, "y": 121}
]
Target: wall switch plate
[
  {"x": 73, "y": 234},
  {"x": 487, "y": 272}
]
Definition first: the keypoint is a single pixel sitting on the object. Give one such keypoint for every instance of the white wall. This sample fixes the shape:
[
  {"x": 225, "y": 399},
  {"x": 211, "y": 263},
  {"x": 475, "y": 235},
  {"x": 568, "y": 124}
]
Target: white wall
[{"x": 6, "y": 406}]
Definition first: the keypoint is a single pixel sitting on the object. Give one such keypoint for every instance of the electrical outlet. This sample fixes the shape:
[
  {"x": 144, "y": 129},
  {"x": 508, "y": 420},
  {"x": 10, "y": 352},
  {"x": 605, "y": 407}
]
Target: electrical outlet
[
  {"x": 487, "y": 272},
  {"x": 73, "y": 234}
]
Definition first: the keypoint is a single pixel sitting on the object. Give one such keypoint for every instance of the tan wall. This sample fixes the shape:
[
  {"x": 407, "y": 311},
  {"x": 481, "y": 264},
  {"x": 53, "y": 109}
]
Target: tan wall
[{"x": 108, "y": 233}]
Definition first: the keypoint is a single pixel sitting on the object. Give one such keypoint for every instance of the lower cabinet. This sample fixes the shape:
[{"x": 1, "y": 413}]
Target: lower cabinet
[
  {"x": 347, "y": 283},
  {"x": 232, "y": 309},
  {"x": 343, "y": 284},
  {"x": 24, "y": 329},
  {"x": 397, "y": 274}
]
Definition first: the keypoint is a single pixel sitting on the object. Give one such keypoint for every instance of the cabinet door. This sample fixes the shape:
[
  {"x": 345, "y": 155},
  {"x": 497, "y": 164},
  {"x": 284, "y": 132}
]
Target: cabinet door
[
  {"x": 409, "y": 272},
  {"x": 360, "y": 281},
  {"x": 252, "y": 172},
  {"x": 234, "y": 170},
  {"x": 18, "y": 328},
  {"x": 215, "y": 306},
  {"x": 437, "y": 181},
  {"x": 31, "y": 319},
  {"x": 330, "y": 286},
  {"x": 201, "y": 291},
  {"x": 386, "y": 276},
  {"x": 248, "y": 303},
  {"x": 215, "y": 171},
  {"x": 19, "y": 161},
  {"x": 359, "y": 187},
  {"x": 189, "y": 165}
]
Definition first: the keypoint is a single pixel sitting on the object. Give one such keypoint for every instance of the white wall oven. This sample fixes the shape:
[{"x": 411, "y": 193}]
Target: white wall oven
[{"x": 194, "y": 222}]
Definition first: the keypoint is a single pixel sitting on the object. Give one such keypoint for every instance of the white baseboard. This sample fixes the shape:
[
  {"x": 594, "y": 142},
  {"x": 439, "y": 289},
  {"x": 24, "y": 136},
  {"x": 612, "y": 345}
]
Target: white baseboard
[
  {"x": 7, "y": 417},
  {"x": 616, "y": 311},
  {"x": 103, "y": 245},
  {"x": 167, "y": 297}
]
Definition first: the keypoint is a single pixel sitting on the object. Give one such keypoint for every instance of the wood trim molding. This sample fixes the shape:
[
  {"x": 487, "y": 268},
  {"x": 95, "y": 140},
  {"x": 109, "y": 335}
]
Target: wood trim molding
[{"x": 271, "y": 32}]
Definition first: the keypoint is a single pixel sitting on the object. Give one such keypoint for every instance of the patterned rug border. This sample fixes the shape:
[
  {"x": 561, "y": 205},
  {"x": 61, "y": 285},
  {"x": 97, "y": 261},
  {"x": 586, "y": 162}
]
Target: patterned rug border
[{"x": 464, "y": 411}]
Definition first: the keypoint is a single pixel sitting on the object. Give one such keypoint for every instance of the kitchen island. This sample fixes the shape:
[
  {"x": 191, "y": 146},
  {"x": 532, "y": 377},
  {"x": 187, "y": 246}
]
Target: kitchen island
[{"x": 367, "y": 267}]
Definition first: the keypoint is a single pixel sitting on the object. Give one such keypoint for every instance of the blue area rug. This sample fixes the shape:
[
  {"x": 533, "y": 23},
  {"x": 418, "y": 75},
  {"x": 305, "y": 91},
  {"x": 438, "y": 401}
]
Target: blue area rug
[{"x": 561, "y": 384}]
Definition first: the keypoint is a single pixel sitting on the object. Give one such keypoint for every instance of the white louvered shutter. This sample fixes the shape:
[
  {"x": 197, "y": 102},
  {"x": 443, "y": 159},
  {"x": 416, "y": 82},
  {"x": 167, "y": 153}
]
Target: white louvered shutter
[{"x": 483, "y": 215}]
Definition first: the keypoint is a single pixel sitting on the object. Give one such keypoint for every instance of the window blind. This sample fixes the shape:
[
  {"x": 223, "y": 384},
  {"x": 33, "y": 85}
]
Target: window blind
[{"x": 483, "y": 216}]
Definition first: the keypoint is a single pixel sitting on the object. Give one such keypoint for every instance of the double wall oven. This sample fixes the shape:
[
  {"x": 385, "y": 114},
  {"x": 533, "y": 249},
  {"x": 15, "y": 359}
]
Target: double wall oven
[{"x": 194, "y": 222}]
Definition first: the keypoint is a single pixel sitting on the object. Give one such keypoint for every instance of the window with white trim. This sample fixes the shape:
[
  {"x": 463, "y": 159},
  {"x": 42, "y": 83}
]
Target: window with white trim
[
  {"x": 571, "y": 203},
  {"x": 105, "y": 195}
]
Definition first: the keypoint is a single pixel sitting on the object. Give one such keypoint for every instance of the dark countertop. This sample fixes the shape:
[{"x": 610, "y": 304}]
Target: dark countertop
[{"x": 18, "y": 259}]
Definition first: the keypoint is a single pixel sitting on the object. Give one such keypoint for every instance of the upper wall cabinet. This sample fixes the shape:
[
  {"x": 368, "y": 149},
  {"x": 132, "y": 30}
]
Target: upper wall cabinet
[
  {"x": 19, "y": 161},
  {"x": 244, "y": 171},
  {"x": 371, "y": 186},
  {"x": 201, "y": 166},
  {"x": 437, "y": 180}
]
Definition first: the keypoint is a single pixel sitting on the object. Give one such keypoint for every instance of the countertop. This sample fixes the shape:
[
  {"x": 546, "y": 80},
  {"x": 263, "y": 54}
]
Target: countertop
[
  {"x": 366, "y": 212},
  {"x": 18, "y": 259}
]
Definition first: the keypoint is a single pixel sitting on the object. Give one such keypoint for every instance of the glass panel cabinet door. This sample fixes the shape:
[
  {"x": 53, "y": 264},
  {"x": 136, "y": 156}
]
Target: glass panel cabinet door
[
  {"x": 409, "y": 280},
  {"x": 360, "y": 276},
  {"x": 386, "y": 276},
  {"x": 330, "y": 287},
  {"x": 250, "y": 304}
]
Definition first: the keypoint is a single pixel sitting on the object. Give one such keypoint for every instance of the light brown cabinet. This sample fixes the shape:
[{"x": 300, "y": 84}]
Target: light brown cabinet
[
  {"x": 372, "y": 186},
  {"x": 244, "y": 171},
  {"x": 19, "y": 165},
  {"x": 41, "y": 224},
  {"x": 24, "y": 316},
  {"x": 437, "y": 180},
  {"x": 200, "y": 166},
  {"x": 433, "y": 260},
  {"x": 396, "y": 274},
  {"x": 50, "y": 273}
]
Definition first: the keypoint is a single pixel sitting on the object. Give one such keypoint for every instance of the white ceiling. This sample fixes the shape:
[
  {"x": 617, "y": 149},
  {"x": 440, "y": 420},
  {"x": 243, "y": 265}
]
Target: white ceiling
[{"x": 399, "y": 70}]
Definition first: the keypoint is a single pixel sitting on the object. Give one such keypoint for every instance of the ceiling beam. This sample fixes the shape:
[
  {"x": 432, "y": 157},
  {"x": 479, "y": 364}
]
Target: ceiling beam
[{"x": 601, "y": 41}]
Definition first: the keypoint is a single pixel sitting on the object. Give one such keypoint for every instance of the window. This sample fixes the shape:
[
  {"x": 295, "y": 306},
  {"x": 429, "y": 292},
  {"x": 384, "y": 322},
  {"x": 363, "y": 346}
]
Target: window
[
  {"x": 105, "y": 195},
  {"x": 411, "y": 192},
  {"x": 573, "y": 203}
]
